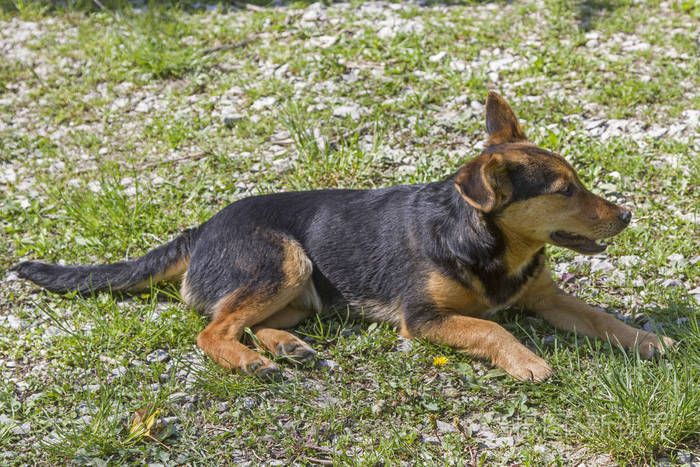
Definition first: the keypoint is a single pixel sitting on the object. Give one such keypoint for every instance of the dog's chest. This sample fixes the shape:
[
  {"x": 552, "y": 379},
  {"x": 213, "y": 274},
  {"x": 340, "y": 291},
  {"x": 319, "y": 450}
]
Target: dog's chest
[{"x": 478, "y": 299}]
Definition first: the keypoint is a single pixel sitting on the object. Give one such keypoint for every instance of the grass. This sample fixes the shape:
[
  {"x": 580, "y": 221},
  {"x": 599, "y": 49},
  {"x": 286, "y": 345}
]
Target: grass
[{"x": 112, "y": 140}]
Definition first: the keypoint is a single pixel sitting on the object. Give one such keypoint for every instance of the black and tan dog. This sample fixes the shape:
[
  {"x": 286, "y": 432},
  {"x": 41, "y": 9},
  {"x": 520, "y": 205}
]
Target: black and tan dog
[{"x": 434, "y": 260}]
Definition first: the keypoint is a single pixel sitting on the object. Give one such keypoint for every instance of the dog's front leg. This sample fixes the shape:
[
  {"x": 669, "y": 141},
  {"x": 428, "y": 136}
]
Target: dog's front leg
[
  {"x": 483, "y": 339},
  {"x": 571, "y": 314}
]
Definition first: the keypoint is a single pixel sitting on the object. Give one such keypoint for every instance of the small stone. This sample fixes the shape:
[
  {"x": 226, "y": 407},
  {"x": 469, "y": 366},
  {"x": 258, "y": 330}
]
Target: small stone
[
  {"x": 431, "y": 440},
  {"x": 404, "y": 345},
  {"x": 177, "y": 397},
  {"x": 157, "y": 356},
  {"x": 675, "y": 257},
  {"x": 223, "y": 406},
  {"x": 264, "y": 103},
  {"x": 506, "y": 441},
  {"x": 629, "y": 260},
  {"x": 638, "y": 283},
  {"x": 352, "y": 111},
  {"x": 673, "y": 283},
  {"x": 437, "y": 57},
  {"x": 15, "y": 323},
  {"x": 444, "y": 427},
  {"x": 602, "y": 266},
  {"x": 248, "y": 403},
  {"x": 329, "y": 365},
  {"x": 378, "y": 406}
]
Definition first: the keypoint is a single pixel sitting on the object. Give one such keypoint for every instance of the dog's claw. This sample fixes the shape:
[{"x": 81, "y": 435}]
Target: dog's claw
[{"x": 296, "y": 351}]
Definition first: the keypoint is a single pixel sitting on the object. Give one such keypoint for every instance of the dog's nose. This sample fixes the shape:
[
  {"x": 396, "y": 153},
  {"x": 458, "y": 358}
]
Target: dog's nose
[{"x": 625, "y": 216}]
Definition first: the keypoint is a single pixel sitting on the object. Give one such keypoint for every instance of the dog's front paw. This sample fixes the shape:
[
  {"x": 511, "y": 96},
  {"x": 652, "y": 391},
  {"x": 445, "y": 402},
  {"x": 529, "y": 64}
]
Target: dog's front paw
[
  {"x": 528, "y": 367},
  {"x": 653, "y": 345}
]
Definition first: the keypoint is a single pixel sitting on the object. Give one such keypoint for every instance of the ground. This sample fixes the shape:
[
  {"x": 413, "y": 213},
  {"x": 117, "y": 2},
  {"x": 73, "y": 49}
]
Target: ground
[{"x": 122, "y": 124}]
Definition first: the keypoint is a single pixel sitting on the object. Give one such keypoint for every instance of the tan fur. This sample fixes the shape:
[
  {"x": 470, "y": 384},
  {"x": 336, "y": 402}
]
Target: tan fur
[
  {"x": 488, "y": 340},
  {"x": 571, "y": 314},
  {"x": 245, "y": 308},
  {"x": 280, "y": 343},
  {"x": 451, "y": 296}
]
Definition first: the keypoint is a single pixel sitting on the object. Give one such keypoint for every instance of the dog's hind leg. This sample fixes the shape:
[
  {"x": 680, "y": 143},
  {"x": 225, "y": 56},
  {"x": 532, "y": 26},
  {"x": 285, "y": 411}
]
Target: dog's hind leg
[{"x": 257, "y": 299}]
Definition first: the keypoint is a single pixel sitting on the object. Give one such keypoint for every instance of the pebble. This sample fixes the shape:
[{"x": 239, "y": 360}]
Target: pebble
[
  {"x": 328, "y": 365},
  {"x": 157, "y": 356},
  {"x": 602, "y": 266},
  {"x": 177, "y": 397},
  {"x": 672, "y": 283},
  {"x": 506, "y": 441},
  {"x": 352, "y": 111},
  {"x": 248, "y": 403},
  {"x": 676, "y": 257},
  {"x": 629, "y": 260},
  {"x": 15, "y": 323},
  {"x": 17, "y": 428},
  {"x": 444, "y": 427},
  {"x": 404, "y": 345}
]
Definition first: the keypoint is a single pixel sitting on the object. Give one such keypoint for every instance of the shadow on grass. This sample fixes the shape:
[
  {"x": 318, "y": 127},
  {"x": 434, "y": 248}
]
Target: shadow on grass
[{"x": 589, "y": 12}]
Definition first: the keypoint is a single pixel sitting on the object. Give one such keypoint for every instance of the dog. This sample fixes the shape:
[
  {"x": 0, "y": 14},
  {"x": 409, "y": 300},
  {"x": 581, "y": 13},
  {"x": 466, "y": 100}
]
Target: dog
[{"x": 434, "y": 260}]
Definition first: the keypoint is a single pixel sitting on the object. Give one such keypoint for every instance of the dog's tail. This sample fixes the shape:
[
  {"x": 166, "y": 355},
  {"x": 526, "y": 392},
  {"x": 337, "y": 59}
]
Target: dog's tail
[{"x": 166, "y": 262}]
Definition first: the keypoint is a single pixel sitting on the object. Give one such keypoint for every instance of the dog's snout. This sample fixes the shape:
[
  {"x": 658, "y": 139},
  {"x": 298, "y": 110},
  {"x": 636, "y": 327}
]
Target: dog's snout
[{"x": 625, "y": 216}]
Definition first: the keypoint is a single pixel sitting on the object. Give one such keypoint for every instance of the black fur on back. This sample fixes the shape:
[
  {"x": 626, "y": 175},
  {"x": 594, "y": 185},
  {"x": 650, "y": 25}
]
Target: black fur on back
[{"x": 116, "y": 277}]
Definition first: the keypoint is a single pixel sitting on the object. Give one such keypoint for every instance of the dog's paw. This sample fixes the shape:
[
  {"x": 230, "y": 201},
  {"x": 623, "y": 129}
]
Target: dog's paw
[
  {"x": 653, "y": 345},
  {"x": 529, "y": 368},
  {"x": 297, "y": 350},
  {"x": 263, "y": 368}
]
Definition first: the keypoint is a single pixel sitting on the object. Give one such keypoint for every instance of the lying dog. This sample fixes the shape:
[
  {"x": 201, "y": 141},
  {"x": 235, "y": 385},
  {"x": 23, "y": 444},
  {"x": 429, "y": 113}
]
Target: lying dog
[{"x": 433, "y": 260}]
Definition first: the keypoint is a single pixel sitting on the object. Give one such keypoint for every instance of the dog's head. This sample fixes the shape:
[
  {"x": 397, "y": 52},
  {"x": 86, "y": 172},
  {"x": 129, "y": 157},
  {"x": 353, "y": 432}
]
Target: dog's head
[{"x": 532, "y": 192}]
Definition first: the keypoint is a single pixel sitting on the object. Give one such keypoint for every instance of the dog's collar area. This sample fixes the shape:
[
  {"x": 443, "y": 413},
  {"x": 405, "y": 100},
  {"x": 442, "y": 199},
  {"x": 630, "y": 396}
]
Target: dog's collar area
[{"x": 577, "y": 242}]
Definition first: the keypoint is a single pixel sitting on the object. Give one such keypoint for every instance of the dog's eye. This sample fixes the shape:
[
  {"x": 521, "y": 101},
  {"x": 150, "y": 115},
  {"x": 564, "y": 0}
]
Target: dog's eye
[{"x": 568, "y": 191}]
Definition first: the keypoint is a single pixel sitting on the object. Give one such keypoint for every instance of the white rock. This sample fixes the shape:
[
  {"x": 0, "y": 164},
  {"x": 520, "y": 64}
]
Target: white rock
[
  {"x": 672, "y": 283},
  {"x": 602, "y": 266},
  {"x": 352, "y": 111},
  {"x": 264, "y": 103},
  {"x": 157, "y": 356},
  {"x": 437, "y": 57},
  {"x": 629, "y": 260},
  {"x": 675, "y": 257},
  {"x": 8, "y": 175},
  {"x": 444, "y": 427},
  {"x": 405, "y": 345},
  {"x": 15, "y": 323}
]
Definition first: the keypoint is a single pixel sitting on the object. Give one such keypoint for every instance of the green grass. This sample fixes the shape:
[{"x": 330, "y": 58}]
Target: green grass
[{"x": 112, "y": 140}]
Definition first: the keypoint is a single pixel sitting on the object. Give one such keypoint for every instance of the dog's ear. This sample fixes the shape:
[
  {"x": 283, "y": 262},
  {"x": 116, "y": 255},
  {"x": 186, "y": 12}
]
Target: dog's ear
[
  {"x": 483, "y": 182},
  {"x": 501, "y": 123}
]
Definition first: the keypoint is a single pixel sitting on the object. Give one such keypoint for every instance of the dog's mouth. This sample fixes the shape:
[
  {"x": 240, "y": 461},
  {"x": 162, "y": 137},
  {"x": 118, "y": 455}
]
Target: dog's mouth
[{"x": 577, "y": 242}]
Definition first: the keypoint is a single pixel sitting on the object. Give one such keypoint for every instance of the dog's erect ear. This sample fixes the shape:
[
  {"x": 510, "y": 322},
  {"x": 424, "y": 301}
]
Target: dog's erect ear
[
  {"x": 483, "y": 182},
  {"x": 501, "y": 123}
]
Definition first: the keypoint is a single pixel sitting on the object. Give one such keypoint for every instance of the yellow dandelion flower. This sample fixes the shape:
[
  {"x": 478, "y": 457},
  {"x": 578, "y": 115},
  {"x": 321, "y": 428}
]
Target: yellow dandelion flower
[{"x": 440, "y": 361}]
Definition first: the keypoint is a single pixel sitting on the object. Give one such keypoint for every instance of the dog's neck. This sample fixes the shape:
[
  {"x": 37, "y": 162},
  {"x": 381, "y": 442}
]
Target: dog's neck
[{"x": 519, "y": 250}]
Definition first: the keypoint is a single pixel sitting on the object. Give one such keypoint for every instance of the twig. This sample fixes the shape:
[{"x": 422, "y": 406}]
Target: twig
[
  {"x": 318, "y": 461},
  {"x": 237, "y": 45},
  {"x": 193, "y": 157},
  {"x": 360, "y": 129}
]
